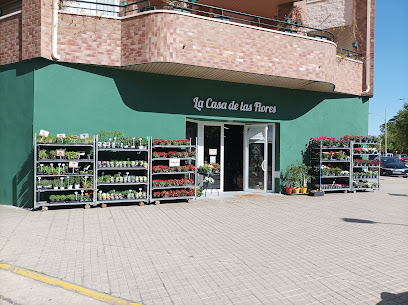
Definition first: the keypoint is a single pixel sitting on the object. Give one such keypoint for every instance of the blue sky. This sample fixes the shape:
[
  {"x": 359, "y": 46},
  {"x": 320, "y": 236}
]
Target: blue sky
[{"x": 390, "y": 61}]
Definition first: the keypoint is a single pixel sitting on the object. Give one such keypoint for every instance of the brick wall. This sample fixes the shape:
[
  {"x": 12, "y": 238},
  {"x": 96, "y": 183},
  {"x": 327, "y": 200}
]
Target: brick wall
[
  {"x": 10, "y": 39},
  {"x": 31, "y": 29},
  {"x": 194, "y": 41},
  {"x": 348, "y": 76},
  {"x": 89, "y": 39}
]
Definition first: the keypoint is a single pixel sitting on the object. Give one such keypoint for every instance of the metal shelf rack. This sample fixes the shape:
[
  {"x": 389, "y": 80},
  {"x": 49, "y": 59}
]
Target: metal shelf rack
[
  {"x": 42, "y": 195},
  {"x": 189, "y": 174},
  {"x": 132, "y": 152}
]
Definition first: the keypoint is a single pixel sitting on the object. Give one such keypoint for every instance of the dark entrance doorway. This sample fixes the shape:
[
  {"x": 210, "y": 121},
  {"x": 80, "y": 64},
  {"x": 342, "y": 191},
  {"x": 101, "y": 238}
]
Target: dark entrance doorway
[{"x": 233, "y": 157}]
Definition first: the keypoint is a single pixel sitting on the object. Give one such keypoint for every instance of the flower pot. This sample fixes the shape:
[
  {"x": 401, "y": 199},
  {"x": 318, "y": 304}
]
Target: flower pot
[
  {"x": 296, "y": 190},
  {"x": 303, "y": 190},
  {"x": 289, "y": 190}
]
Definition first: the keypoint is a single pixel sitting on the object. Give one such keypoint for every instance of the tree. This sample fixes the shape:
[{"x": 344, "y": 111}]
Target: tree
[{"x": 397, "y": 131}]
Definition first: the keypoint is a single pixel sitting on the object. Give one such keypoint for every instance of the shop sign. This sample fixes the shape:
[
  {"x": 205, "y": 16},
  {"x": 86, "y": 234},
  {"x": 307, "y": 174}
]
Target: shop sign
[
  {"x": 212, "y": 151},
  {"x": 73, "y": 164},
  {"x": 174, "y": 162},
  {"x": 44, "y": 133},
  {"x": 60, "y": 152},
  {"x": 209, "y": 103}
]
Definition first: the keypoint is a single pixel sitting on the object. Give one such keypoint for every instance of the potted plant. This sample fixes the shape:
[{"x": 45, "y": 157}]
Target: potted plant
[
  {"x": 288, "y": 180},
  {"x": 77, "y": 182},
  {"x": 42, "y": 154},
  {"x": 53, "y": 154}
]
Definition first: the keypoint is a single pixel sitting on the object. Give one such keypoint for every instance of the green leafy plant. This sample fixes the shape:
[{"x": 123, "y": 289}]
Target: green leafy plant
[
  {"x": 42, "y": 154},
  {"x": 53, "y": 154}
]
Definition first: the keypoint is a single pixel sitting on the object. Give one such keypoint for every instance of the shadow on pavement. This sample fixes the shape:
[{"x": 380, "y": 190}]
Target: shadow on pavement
[
  {"x": 388, "y": 298},
  {"x": 403, "y": 195},
  {"x": 355, "y": 220}
]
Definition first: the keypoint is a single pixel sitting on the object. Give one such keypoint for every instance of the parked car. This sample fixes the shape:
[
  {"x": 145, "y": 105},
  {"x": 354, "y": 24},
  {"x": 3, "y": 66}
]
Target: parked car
[
  {"x": 393, "y": 166},
  {"x": 403, "y": 157}
]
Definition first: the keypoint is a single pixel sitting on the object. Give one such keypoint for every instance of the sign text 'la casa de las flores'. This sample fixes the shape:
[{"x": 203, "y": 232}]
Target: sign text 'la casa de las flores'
[{"x": 209, "y": 103}]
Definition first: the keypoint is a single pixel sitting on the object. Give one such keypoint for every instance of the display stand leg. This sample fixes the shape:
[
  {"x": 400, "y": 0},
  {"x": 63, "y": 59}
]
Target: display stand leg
[
  {"x": 190, "y": 200},
  {"x": 103, "y": 205},
  {"x": 141, "y": 203},
  {"x": 157, "y": 202},
  {"x": 43, "y": 208},
  {"x": 87, "y": 206}
]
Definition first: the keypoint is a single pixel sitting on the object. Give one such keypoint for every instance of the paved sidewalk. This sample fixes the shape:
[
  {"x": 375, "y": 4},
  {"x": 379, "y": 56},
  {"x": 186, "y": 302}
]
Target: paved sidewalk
[{"x": 336, "y": 249}]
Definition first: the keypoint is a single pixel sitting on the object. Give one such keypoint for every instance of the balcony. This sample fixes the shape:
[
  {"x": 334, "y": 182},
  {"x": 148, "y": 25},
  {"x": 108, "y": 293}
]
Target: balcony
[{"x": 185, "y": 38}]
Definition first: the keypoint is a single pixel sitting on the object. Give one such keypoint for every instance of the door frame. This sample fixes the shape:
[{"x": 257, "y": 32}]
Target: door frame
[
  {"x": 200, "y": 150},
  {"x": 246, "y": 157}
]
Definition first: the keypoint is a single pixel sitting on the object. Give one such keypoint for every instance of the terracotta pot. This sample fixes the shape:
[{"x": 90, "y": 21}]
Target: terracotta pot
[
  {"x": 289, "y": 190},
  {"x": 296, "y": 190},
  {"x": 303, "y": 190}
]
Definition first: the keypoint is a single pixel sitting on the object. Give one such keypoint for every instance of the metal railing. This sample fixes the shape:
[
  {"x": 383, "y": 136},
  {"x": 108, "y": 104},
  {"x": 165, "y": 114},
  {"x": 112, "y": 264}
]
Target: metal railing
[
  {"x": 349, "y": 53},
  {"x": 191, "y": 7}
]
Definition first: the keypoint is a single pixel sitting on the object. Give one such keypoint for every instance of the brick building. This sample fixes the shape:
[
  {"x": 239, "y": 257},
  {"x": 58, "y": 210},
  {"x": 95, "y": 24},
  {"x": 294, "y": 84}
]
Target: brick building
[{"x": 284, "y": 70}]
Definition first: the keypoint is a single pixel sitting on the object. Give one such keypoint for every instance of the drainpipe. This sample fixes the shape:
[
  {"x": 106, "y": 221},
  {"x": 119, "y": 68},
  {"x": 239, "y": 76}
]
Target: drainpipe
[
  {"x": 55, "y": 7},
  {"x": 368, "y": 47}
]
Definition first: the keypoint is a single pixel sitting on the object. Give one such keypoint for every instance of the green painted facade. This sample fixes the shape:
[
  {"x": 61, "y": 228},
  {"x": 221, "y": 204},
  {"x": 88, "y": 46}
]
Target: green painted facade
[
  {"x": 16, "y": 134},
  {"x": 78, "y": 98}
]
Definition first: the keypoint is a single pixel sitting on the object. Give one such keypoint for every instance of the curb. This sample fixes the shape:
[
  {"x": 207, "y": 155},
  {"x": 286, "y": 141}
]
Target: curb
[{"x": 67, "y": 286}]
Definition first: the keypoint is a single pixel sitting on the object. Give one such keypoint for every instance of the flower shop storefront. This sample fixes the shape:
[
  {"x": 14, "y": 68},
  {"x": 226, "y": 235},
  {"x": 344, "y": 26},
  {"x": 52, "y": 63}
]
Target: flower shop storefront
[
  {"x": 253, "y": 132},
  {"x": 236, "y": 156}
]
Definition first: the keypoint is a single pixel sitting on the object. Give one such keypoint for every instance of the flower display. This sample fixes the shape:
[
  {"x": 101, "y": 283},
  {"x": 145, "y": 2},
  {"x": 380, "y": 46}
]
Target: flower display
[
  {"x": 167, "y": 169},
  {"x": 209, "y": 180},
  {"x": 334, "y": 186},
  {"x": 172, "y": 182},
  {"x": 170, "y": 142},
  {"x": 174, "y": 154},
  {"x": 174, "y": 193},
  {"x": 208, "y": 168},
  {"x": 342, "y": 142}
]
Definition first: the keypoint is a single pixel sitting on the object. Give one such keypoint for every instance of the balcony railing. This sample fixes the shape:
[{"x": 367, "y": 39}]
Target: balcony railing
[
  {"x": 191, "y": 7},
  {"x": 349, "y": 53}
]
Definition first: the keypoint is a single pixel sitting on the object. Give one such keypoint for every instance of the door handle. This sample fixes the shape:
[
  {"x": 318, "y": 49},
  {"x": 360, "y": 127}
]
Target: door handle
[{"x": 263, "y": 165}]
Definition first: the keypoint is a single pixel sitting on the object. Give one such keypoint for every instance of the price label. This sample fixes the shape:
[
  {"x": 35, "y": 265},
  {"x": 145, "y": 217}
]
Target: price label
[
  {"x": 44, "y": 133},
  {"x": 84, "y": 135},
  {"x": 61, "y": 135},
  {"x": 174, "y": 162},
  {"x": 80, "y": 153},
  {"x": 60, "y": 152},
  {"x": 212, "y": 151},
  {"x": 73, "y": 164},
  {"x": 74, "y": 136}
]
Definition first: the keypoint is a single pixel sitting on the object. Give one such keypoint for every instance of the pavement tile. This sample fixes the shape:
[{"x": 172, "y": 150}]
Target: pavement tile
[{"x": 270, "y": 250}]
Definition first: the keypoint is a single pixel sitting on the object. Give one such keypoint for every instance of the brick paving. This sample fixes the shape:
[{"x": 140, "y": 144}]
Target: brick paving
[{"x": 336, "y": 249}]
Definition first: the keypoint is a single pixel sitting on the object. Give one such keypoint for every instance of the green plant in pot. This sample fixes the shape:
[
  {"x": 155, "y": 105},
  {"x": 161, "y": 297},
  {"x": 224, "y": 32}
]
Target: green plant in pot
[
  {"x": 288, "y": 180},
  {"x": 42, "y": 154},
  {"x": 53, "y": 154}
]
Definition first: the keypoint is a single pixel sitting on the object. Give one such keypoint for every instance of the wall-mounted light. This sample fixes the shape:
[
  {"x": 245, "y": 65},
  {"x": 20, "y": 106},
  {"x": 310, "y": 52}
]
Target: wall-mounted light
[
  {"x": 124, "y": 3},
  {"x": 354, "y": 44}
]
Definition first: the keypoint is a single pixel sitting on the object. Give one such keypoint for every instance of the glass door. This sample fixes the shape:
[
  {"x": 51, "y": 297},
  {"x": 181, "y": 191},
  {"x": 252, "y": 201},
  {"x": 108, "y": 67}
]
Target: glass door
[{"x": 256, "y": 161}]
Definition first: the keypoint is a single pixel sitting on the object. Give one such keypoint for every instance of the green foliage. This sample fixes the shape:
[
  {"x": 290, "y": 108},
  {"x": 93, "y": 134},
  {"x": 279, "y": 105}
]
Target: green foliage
[
  {"x": 42, "y": 154},
  {"x": 297, "y": 175},
  {"x": 397, "y": 131}
]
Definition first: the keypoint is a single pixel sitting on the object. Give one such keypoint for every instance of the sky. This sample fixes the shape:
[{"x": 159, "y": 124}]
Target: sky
[{"x": 390, "y": 61}]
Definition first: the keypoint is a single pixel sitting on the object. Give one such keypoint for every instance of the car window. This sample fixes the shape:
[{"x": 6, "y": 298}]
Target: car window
[{"x": 390, "y": 160}]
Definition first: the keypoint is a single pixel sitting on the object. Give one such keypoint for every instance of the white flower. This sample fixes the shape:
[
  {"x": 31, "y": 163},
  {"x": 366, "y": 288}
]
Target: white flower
[{"x": 209, "y": 180}]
